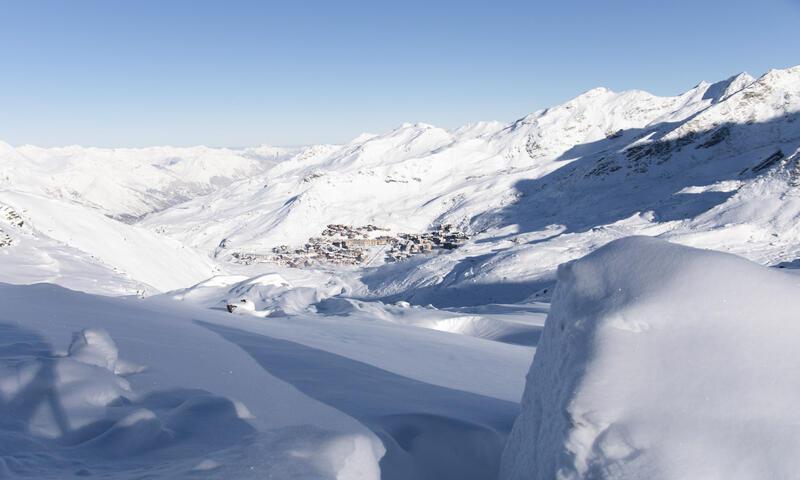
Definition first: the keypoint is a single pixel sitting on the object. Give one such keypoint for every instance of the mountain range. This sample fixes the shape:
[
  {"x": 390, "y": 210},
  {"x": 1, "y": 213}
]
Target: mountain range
[
  {"x": 715, "y": 167},
  {"x": 370, "y": 310}
]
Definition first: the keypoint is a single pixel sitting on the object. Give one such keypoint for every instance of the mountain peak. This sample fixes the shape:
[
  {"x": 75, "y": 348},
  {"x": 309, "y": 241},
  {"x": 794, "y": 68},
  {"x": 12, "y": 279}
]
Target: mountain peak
[
  {"x": 5, "y": 148},
  {"x": 415, "y": 125},
  {"x": 725, "y": 88},
  {"x": 779, "y": 76},
  {"x": 594, "y": 93}
]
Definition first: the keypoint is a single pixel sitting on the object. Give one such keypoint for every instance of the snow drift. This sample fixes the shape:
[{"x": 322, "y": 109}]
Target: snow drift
[
  {"x": 660, "y": 361},
  {"x": 144, "y": 390}
]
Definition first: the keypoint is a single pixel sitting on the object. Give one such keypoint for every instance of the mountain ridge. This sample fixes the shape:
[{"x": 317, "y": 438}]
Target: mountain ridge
[{"x": 563, "y": 179}]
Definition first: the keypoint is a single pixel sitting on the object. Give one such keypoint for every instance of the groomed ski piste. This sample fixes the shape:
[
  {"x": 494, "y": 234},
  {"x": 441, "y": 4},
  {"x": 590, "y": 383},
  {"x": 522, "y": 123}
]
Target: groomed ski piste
[{"x": 620, "y": 305}]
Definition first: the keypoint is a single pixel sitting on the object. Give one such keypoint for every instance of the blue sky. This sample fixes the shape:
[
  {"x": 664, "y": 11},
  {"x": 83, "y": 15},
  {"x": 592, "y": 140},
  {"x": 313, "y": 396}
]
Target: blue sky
[{"x": 235, "y": 73}]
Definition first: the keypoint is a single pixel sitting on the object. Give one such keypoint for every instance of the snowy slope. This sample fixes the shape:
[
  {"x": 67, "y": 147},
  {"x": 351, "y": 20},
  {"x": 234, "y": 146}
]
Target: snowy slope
[
  {"x": 189, "y": 413},
  {"x": 77, "y": 206},
  {"x": 413, "y": 369},
  {"x": 547, "y": 188},
  {"x": 707, "y": 181},
  {"x": 411, "y": 177},
  {"x": 69, "y": 244},
  {"x": 660, "y": 361},
  {"x": 289, "y": 293},
  {"x": 129, "y": 183},
  {"x": 132, "y": 388},
  {"x": 417, "y": 175}
]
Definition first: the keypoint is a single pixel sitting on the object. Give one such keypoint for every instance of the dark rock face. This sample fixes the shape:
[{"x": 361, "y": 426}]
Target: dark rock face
[{"x": 768, "y": 162}]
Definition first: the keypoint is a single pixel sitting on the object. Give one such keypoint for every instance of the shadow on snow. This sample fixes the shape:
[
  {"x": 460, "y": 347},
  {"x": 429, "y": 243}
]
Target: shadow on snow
[{"x": 430, "y": 432}]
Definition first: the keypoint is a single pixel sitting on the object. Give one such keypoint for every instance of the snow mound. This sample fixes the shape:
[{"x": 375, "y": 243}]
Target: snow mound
[
  {"x": 267, "y": 294},
  {"x": 94, "y": 347},
  {"x": 53, "y": 397},
  {"x": 77, "y": 406},
  {"x": 661, "y": 361}
]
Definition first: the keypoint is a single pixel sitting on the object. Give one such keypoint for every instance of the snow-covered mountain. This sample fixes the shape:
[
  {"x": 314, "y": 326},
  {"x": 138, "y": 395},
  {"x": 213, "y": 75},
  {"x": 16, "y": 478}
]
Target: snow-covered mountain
[
  {"x": 419, "y": 175},
  {"x": 67, "y": 215},
  {"x": 546, "y": 188},
  {"x": 369, "y": 310},
  {"x": 128, "y": 183}
]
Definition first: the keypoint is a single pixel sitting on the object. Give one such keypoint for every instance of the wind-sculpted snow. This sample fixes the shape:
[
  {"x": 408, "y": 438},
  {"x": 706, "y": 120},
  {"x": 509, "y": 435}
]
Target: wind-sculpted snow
[
  {"x": 660, "y": 361},
  {"x": 317, "y": 295},
  {"x": 63, "y": 413},
  {"x": 264, "y": 295},
  {"x": 145, "y": 392},
  {"x": 132, "y": 388}
]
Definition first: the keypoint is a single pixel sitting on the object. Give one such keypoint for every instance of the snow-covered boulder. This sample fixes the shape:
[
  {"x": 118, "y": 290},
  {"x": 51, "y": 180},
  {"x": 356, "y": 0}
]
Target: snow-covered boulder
[{"x": 660, "y": 361}]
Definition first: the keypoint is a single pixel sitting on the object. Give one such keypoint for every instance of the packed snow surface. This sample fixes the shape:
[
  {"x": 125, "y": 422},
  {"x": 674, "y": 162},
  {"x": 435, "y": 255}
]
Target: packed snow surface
[
  {"x": 660, "y": 361},
  {"x": 132, "y": 388}
]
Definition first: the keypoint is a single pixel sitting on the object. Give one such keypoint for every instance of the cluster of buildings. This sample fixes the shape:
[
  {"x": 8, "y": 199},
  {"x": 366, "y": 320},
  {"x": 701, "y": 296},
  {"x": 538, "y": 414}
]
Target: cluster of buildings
[
  {"x": 355, "y": 245},
  {"x": 317, "y": 250},
  {"x": 407, "y": 244}
]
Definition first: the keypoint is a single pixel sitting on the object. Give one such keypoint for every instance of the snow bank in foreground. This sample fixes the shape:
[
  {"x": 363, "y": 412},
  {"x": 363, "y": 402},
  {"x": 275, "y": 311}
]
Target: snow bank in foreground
[
  {"x": 660, "y": 361},
  {"x": 76, "y": 399}
]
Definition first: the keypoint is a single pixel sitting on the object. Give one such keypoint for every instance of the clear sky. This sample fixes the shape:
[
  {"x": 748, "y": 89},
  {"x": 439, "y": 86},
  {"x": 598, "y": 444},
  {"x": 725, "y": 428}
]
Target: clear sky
[{"x": 235, "y": 73}]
